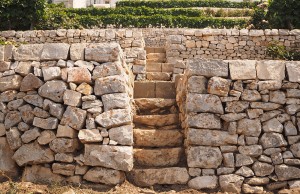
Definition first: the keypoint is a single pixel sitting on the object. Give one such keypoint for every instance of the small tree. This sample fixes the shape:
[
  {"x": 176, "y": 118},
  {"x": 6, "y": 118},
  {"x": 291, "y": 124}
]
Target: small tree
[
  {"x": 284, "y": 14},
  {"x": 20, "y": 14}
]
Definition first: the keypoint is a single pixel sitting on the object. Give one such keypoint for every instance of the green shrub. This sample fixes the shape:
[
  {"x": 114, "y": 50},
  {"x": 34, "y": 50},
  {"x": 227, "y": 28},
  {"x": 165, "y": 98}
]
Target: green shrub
[
  {"x": 284, "y": 14},
  {"x": 277, "y": 51},
  {"x": 185, "y": 3},
  {"x": 258, "y": 20}
]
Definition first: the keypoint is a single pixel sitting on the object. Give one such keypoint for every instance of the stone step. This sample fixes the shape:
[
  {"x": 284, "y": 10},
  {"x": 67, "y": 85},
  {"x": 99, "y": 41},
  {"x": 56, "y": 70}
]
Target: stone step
[
  {"x": 156, "y": 56},
  {"x": 144, "y": 104},
  {"x": 155, "y": 50},
  {"x": 159, "y": 176},
  {"x": 162, "y": 157},
  {"x": 157, "y": 138},
  {"x": 161, "y": 76},
  {"x": 154, "y": 89},
  {"x": 156, "y": 120},
  {"x": 159, "y": 67}
]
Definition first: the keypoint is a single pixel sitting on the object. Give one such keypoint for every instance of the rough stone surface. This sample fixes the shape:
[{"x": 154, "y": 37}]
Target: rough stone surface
[
  {"x": 105, "y": 176},
  {"x": 231, "y": 183},
  {"x": 55, "y": 51},
  {"x": 270, "y": 70},
  {"x": 204, "y": 103},
  {"x": 114, "y": 118},
  {"x": 204, "y": 157},
  {"x": 203, "y": 182},
  {"x": 242, "y": 69},
  {"x": 207, "y": 68},
  {"x": 12, "y": 82},
  {"x": 74, "y": 117},
  {"x": 53, "y": 90}
]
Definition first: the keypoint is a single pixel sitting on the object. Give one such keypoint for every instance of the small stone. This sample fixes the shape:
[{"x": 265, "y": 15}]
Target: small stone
[
  {"x": 91, "y": 104},
  {"x": 251, "y": 95},
  {"x": 13, "y": 137},
  {"x": 197, "y": 84},
  {"x": 285, "y": 172},
  {"x": 49, "y": 123},
  {"x": 257, "y": 181},
  {"x": 114, "y": 118},
  {"x": 64, "y": 145},
  {"x": 236, "y": 106},
  {"x": 46, "y": 137},
  {"x": 231, "y": 183},
  {"x": 105, "y": 176},
  {"x": 272, "y": 125},
  {"x": 26, "y": 113},
  {"x": 252, "y": 189},
  {"x": 230, "y": 117},
  {"x": 228, "y": 159},
  {"x": 8, "y": 96},
  {"x": 74, "y": 117},
  {"x": 12, "y": 118},
  {"x": 115, "y": 101},
  {"x": 72, "y": 98},
  {"x": 12, "y": 82},
  {"x": 63, "y": 169},
  {"x": 203, "y": 182},
  {"x": 34, "y": 99},
  {"x": 249, "y": 127},
  {"x": 204, "y": 157},
  {"x": 194, "y": 172},
  {"x": 269, "y": 85},
  {"x": 51, "y": 73},
  {"x": 108, "y": 69},
  {"x": 81, "y": 170},
  {"x": 38, "y": 112},
  {"x": 111, "y": 84},
  {"x": 204, "y": 121},
  {"x": 218, "y": 86},
  {"x": 277, "y": 158},
  {"x": 262, "y": 169},
  {"x": 23, "y": 68},
  {"x": 30, "y": 82},
  {"x": 277, "y": 97},
  {"x": 66, "y": 131},
  {"x": 79, "y": 75},
  {"x": 40, "y": 174},
  {"x": 295, "y": 148},
  {"x": 85, "y": 89},
  {"x": 30, "y": 135},
  {"x": 89, "y": 136},
  {"x": 204, "y": 103},
  {"x": 123, "y": 135},
  {"x": 290, "y": 129},
  {"x": 272, "y": 140},
  {"x": 266, "y": 106},
  {"x": 253, "y": 150},
  {"x": 15, "y": 104},
  {"x": 243, "y": 160},
  {"x": 245, "y": 171},
  {"x": 53, "y": 90}
]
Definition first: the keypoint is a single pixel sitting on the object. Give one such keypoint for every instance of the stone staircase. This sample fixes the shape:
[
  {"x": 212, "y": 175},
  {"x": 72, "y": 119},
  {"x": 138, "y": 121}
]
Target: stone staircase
[{"x": 158, "y": 140}]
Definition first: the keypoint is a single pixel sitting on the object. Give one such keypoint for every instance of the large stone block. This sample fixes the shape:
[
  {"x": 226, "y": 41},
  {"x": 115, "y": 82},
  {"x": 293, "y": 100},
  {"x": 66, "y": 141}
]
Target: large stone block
[
  {"x": 53, "y": 90},
  {"x": 204, "y": 182},
  {"x": 103, "y": 52},
  {"x": 285, "y": 172},
  {"x": 207, "y": 68},
  {"x": 115, "y": 101},
  {"x": 122, "y": 135},
  {"x": 111, "y": 84},
  {"x": 249, "y": 127},
  {"x": 115, "y": 157},
  {"x": 204, "y": 121},
  {"x": 242, "y": 69},
  {"x": 204, "y": 157},
  {"x": 30, "y": 82},
  {"x": 197, "y": 84},
  {"x": 55, "y": 51},
  {"x": 28, "y": 52},
  {"x": 272, "y": 140},
  {"x": 210, "y": 137},
  {"x": 231, "y": 183},
  {"x": 79, "y": 75},
  {"x": 270, "y": 70},
  {"x": 74, "y": 117},
  {"x": 108, "y": 69},
  {"x": 77, "y": 51},
  {"x": 293, "y": 70},
  {"x": 114, "y": 118},
  {"x": 12, "y": 82},
  {"x": 40, "y": 174},
  {"x": 105, "y": 176},
  {"x": 204, "y": 103}
]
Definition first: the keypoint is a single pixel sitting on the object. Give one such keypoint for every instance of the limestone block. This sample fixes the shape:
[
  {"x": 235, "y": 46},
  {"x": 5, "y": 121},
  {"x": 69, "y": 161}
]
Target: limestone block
[
  {"x": 270, "y": 70},
  {"x": 64, "y": 145},
  {"x": 272, "y": 140},
  {"x": 115, "y": 101},
  {"x": 77, "y": 51},
  {"x": 40, "y": 174},
  {"x": 53, "y": 90},
  {"x": 105, "y": 176},
  {"x": 30, "y": 82},
  {"x": 108, "y": 69},
  {"x": 105, "y": 52},
  {"x": 55, "y": 51},
  {"x": 33, "y": 153},
  {"x": 293, "y": 70},
  {"x": 114, "y": 118},
  {"x": 242, "y": 69},
  {"x": 207, "y": 68},
  {"x": 74, "y": 117},
  {"x": 46, "y": 137},
  {"x": 66, "y": 131},
  {"x": 251, "y": 150},
  {"x": 197, "y": 84},
  {"x": 12, "y": 82},
  {"x": 210, "y": 137},
  {"x": 72, "y": 98},
  {"x": 204, "y": 121},
  {"x": 204, "y": 182},
  {"x": 30, "y": 135},
  {"x": 231, "y": 183},
  {"x": 204, "y": 157},
  {"x": 63, "y": 169},
  {"x": 28, "y": 52},
  {"x": 204, "y": 103},
  {"x": 122, "y": 135},
  {"x": 89, "y": 136},
  {"x": 111, "y": 84},
  {"x": 51, "y": 73},
  {"x": 115, "y": 157},
  {"x": 79, "y": 75}
]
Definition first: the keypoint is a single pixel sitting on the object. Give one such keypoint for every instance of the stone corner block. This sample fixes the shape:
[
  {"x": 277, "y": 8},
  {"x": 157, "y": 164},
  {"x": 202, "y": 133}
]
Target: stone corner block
[{"x": 270, "y": 70}]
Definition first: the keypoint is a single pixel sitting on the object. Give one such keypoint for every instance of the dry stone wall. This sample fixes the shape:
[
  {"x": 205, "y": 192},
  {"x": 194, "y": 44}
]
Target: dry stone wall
[
  {"x": 241, "y": 121},
  {"x": 65, "y": 113}
]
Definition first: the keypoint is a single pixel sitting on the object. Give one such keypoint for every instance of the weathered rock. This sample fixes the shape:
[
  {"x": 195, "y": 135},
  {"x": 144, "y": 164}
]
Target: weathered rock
[
  {"x": 252, "y": 189},
  {"x": 33, "y": 153},
  {"x": 8, "y": 96},
  {"x": 249, "y": 127},
  {"x": 28, "y": 52},
  {"x": 197, "y": 84},
  {"x": 293, "y": 71},
  {"x": 242, "y": 69},
  {"x": 218, "y": 86},
  {"x": 149, "y": 177},
  {"x": 285, "y": 172},
  {"x": 30, "y": 82},
  {"x": 207, "y": 68},
  {"x": 105, "y": 176},
  {"x": 63, "y": 169},
  {"x": 272, "y": 140},
  {"x": 79, "y": 75},
  {"x": 266, "y": 106},
  {"x": 46, "y": 137},
  {"x": 15, "y": 104},
  {"x": 292, "y": 109},
  {"x": 269, "y": 115},
  {"x": 64, "y": 145},
  {"x": 262, "y": 169},
  {"x": 30, "y": 135},
  {"x": 114, "y": 118},
  {"x": 270, "y": 70},
  {"x": 34, "y": 99},
  {"x": 91, "y": 104},
  {"x": 277, "y": 97},
  {"x": 230, "y": 117},
  {"x": 236, "y": 106},
  {"x": 123, "y": 135},
  {"x": 115, "y": 157},
  {"x": 4, "y": 66},
  {"x": 85, "y": 89},
  {"x": 203, "y": 182},
  {"x": 40, "y": 174},
  {"x": 115, "y": 101},
  {"x": 55, "y": 51},
  {"x": 231, "y": 183},
  {"x": 7, "y": 165},
  {"x": 89, "y": 136},
  {"x": 62, "y": 157},
  {"x": 110, "y": 84},
  {"x": 204, "y": 121},
  {"x": 55, "y": 109},
  {"x": 210, "y": 137},
  {"x": 49, "y": 123},
  {"x": 103, "y": 52},
  {"x": 108, "y": 69},
  {"x": 23, "y": 68},
  {"x": 12, "y": 82},
  {"x": 245, "y": 171},
  {"x": 272, "y": 125},
  {"x": 204, "y": 103},
  {"x": 243, "y": 160},
  {"x": 251, "y": 95},
  {"x": 72, "y": 98},
  {"x": 269, "y": 85},
  {"x": 53, "y": 90},
  {"x": 257, "y": 181},
  {"x": 74, "y": 117},
  {"x": 66, "y": 131},
  {"x": 51, "y": 73},
  {"x": 77, "y": 51},
  {"x": 251, "y": 150},
  {"x": 12, "y": 118},
  {"x": 295, "y": 148},
  {"x": 204, "y": 157}
]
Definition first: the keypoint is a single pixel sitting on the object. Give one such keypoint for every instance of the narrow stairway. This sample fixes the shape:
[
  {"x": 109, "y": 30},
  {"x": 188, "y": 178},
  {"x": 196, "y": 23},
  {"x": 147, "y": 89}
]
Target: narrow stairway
[{"x": 158, "y": 140}]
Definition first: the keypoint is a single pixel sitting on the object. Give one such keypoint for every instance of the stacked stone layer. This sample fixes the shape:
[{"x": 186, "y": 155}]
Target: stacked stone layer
[
  {"x": 241, "y": 121},
  {"x": 66, "y": 113}
]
